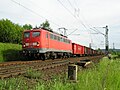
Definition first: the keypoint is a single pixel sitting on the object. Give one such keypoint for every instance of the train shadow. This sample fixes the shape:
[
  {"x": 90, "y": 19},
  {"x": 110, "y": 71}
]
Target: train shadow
[{"x": 12, "y": 55}]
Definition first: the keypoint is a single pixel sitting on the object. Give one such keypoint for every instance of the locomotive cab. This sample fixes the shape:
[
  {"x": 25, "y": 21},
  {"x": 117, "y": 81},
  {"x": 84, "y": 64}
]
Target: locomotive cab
[
  {"x": 31, "y": 44},
  {"x": 31, "y": 39}
]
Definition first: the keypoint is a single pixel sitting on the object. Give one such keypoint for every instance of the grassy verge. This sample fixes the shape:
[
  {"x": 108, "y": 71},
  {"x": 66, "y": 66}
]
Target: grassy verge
[
  {"x": 9, "y": 52},
  {"x": 104, "y": 76}
]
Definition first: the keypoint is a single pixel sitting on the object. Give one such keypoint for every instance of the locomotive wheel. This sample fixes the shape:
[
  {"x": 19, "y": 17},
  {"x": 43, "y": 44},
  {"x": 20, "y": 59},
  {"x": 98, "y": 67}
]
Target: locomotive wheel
[
  {"x": 43, "y": 57},
  {"x": 52, "y": 55},
  {"x": 60, "y": 55},
  {"x": 48, "y": 55},
  {"x": 68, "y": 55}
]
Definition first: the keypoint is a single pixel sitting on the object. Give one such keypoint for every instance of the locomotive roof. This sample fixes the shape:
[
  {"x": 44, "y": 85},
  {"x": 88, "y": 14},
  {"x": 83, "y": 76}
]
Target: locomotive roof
[{"x": 39, "y": 29}]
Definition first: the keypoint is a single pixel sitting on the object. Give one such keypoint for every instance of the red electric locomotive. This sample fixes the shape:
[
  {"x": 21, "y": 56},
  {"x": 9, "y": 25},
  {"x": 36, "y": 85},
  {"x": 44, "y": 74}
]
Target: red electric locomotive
[{"x": 45, "y": 44}]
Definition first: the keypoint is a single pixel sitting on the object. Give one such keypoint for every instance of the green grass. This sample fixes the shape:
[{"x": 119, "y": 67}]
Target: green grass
[
  {"x": 32, "y": 74},
  {"x": 103, "y": 76},
  {"x": 9, "y": 52},
  {"x": 13, "y": 84}
]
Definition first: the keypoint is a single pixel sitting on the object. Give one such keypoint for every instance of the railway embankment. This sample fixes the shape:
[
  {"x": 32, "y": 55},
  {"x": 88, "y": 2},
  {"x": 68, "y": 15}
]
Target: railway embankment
[{"x": 10, "y": 52}]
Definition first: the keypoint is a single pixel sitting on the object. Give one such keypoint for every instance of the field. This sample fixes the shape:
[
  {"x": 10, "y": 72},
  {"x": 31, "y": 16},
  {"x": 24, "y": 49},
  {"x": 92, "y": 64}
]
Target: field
[
  {"x": 9, "y": 52},
  {"x": 102, "y": 76}
]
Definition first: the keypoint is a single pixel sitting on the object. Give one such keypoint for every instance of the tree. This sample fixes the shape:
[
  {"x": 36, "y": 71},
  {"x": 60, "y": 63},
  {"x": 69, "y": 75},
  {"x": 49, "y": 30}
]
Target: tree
[
  {"x": 27, "y": 26},
  {"x": 46, "y": 25},
  {"x": 10, "y": 32}
]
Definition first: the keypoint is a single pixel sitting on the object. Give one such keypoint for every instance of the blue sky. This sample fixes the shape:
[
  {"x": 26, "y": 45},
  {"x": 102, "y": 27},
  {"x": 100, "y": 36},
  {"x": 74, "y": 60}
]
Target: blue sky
[{"x": 71, "y": 14}]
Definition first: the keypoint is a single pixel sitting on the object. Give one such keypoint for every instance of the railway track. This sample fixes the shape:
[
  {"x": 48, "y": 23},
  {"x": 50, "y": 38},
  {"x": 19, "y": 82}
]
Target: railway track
[{"x": 11, "y": 69}]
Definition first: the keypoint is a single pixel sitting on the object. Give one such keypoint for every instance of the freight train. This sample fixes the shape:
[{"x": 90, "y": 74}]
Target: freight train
[{"x": 45, "y": 44}]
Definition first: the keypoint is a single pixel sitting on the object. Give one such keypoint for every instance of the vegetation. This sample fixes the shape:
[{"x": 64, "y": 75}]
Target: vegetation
[
  {"x": 46, "y": 25},
  {"x": 10, "y": 32},
  {"x": 10, "y": 52},
  {"x": 27, "y": 26},
  {"x": 13, "y": 84},
  {"x": 104, "y": 76},
  {"x": 33, "y": 74}
]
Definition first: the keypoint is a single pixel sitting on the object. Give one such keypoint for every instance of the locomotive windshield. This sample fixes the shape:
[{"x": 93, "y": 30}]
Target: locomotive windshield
[
  {"x": 26, "y": 34},
  {"x": 35, "y": 34}
]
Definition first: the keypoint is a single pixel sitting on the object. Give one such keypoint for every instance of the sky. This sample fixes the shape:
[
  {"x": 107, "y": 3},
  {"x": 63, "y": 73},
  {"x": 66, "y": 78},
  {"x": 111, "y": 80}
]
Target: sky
[{"x": 82, "y": 18}]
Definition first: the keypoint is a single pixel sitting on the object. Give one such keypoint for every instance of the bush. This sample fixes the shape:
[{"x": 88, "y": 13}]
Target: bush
[
  {"x": 10, "y": 32},
  {"x": 10, "y": 52}
]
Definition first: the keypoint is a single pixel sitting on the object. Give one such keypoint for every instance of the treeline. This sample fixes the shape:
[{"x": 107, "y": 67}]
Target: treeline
[{"x": 11, "y": 32}]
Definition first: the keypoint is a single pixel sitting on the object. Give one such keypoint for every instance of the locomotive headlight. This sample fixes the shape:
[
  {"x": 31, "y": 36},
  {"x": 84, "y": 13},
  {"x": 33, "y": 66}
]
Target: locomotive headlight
[
  {"x": 38, "y": 44},
  {"x": 26, "y": 44},
  {"x": 23, "y": 45},
  {"x": 35, "y": 44}
]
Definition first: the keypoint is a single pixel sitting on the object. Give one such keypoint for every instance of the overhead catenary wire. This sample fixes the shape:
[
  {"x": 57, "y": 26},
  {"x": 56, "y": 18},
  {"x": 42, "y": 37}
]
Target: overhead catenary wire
[
  {"x": 66, "y": 8},
  {"x": 71, "y": 4},
  {"x": 32, "y": 11},
  {"x": 99, "y": 31},
  {"x": 76, "y": 3},
  {"x": 92, "y": 34},
  {"x": 90, "y": 27},
  {"x": 72, "y": 32},
  {"x": 46, "y": 11},
  {"x": 72, "y": 14},
  {"x": 77, "y": 19},
  {"x": 76, "y": 9}
]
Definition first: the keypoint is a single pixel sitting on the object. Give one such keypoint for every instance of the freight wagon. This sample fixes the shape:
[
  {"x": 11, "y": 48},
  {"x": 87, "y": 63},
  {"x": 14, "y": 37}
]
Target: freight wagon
[{"x": 77, "y": 49}]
